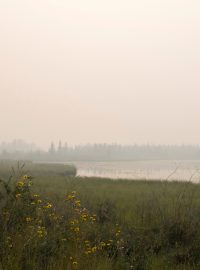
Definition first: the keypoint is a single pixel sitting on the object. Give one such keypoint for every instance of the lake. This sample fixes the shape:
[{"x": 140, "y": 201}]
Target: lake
[{"x": 148, "y": 170}]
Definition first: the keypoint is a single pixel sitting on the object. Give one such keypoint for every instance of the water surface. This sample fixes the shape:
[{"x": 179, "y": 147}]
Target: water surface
[{"x": 149, "y": 170}]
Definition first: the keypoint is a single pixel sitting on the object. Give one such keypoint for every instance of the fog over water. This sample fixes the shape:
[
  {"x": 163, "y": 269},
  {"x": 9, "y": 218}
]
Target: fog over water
[
  {"x": 100, "y": 71},
  {"x": 169, "y": 170}
]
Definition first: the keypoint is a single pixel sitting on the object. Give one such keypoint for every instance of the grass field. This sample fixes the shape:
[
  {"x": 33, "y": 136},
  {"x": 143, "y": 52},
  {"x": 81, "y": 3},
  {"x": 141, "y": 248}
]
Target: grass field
[{"x": 50, "y": 219}]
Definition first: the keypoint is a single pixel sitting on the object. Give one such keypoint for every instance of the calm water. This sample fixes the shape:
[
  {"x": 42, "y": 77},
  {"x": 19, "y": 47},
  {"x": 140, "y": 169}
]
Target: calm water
[{"x": 163, "y": 170}]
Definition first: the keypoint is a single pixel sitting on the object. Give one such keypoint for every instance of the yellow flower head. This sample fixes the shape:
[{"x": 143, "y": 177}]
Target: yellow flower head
[
  {"x": 20, "y": 184},
  {"x": 70, "y": 197},
  {"x": 49, "y": 205},
  {"x": 41, "y": 232},
  {"x": 78, "y": 203},
  {"x": 77, "y": 229},
  {"x": 94, "y": 249},
  {"x": 28, "y": 219},
  {"x": 39, "y": 201},
  {"x": 88, "y": 252}
]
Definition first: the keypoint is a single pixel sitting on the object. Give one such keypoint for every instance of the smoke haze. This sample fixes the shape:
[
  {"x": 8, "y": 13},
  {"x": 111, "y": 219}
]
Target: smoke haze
[{"x": 100, "y": 71}]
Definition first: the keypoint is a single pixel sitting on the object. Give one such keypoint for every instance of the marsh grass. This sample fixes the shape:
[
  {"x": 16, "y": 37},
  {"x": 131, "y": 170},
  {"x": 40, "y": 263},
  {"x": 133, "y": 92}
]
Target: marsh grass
[{"x": 91, "y": 223}]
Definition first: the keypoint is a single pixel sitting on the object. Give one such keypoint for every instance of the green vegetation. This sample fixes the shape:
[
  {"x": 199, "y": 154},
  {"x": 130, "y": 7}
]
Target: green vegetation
[
  {"x": 15, "y": 169},
  {"x": 58, "y": 221}
]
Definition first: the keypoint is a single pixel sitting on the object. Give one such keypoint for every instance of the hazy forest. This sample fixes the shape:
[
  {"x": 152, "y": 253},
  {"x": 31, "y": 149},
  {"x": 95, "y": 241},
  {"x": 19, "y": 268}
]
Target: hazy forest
[{"x": 20, "y": 150}]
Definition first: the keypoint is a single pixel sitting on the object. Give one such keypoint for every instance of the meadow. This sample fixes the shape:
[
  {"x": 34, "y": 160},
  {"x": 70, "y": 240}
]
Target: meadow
[{"x": 51, "y": 219}]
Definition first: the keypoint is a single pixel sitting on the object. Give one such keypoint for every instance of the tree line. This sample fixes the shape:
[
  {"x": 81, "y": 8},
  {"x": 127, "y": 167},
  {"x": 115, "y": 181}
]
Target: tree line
[{"x": 103, "y": 152}]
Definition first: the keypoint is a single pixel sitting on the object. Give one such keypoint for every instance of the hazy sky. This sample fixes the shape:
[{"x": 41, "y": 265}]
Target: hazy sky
[{"x": 82, "y": 71}]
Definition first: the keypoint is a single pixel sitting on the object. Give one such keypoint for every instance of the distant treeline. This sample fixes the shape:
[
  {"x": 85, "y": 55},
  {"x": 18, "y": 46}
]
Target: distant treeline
[
  {"x": 104, "y": 152},
  {"x": 17, "y": 145}
]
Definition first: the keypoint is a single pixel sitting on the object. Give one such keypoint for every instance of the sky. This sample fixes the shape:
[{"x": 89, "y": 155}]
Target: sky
[{"x": 113, "y": 71}]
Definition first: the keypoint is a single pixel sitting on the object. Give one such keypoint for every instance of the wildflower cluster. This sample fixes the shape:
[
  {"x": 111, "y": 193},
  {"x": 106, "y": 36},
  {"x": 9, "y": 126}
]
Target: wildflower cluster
[
  {"x": 82, "y": 224},
  {"x": 37, "y": 224}
]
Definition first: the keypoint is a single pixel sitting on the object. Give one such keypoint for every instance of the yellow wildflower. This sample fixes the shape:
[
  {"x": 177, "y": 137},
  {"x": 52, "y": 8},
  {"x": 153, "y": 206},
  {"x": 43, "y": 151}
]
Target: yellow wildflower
[
  {"x": 78, "y": 203},
  {"x": 18, "y": 195},
  {"x": 92, "y": 219},
  {"x": 49, "y": 205},
  {"x": 41, "y": 231},
  {"x": 88, "y": 252},
  {"x": 94, "y": 249},
  {"x": 84, "y": 217},
  {"x": 20, "y": 184},
  {"x": 28, "y": 219},
  {"x": 30, "y": 183},
  {"x": 118, "y": 233},
  {"x": 70, "y": 197},
  {"x": 77, "y": 229}
]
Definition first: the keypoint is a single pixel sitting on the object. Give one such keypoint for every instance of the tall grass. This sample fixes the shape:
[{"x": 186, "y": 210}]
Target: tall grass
[{"x": 57, "y": 221}]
